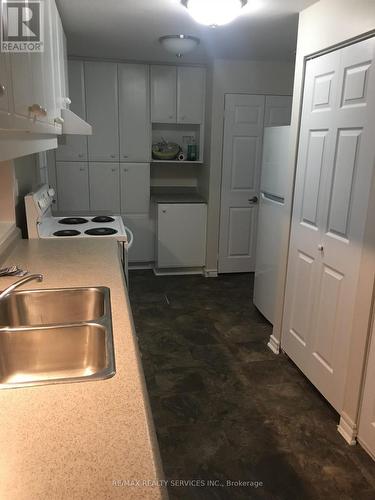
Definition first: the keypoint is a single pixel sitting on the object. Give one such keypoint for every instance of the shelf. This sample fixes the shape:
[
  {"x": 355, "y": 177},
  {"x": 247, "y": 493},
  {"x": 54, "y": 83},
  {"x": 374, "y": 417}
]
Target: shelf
[{"x": 175, "y": 162}]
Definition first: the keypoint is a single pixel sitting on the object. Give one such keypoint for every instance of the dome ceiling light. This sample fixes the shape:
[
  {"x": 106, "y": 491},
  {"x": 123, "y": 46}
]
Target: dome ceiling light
[
  {"x": 214, "y": 12},
  {"x": 179, "y": 44}
]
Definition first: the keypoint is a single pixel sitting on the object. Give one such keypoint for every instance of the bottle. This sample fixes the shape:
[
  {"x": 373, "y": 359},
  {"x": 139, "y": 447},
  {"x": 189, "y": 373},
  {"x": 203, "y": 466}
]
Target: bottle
[{"x": 192, "y": 151}]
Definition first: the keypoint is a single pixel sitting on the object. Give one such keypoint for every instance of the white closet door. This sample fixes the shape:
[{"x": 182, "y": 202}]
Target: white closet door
[
  {"x": 102, "y": 110},
  {"x": 104, "y": 187},
  {"x": 278, "y": 110},
  {"x": 191, "y": 86},
  {"x": 243, "y": 135},
  {"x": 334, "y": 172},
  {"x": 134, "y": 112},
  {"x": 74, "y": 147},
  {"x": 163, "y": 94}
]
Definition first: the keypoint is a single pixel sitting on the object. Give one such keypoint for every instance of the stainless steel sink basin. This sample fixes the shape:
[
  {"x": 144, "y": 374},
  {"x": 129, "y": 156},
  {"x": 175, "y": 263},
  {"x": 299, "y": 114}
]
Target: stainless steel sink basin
[
  {"x": 56, "y": 306},
  {"x": 55, "y": 336}
]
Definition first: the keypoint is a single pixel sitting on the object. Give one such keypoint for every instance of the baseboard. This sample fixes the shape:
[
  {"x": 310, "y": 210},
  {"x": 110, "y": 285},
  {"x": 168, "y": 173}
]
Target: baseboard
[
  {"x": 138, "y": 266},
  {"x": 274, "y": 345},
  {"x": 178, "y": 271},
  {"x": 211, "y": 273},
  {"x": 348, "y": 429}
]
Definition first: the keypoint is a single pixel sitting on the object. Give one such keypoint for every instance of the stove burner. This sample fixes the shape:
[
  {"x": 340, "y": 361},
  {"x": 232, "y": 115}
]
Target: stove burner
[
  {"x": 73, "y": 220},
  {"x": 101, "y": 231},
  {"x": 67, "y": 232},
  {"x": 102, "y": 219}
]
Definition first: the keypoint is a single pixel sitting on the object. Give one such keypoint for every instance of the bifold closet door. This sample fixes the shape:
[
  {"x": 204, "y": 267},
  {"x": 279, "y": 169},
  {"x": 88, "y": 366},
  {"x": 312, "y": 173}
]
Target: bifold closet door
[{"x": 334, "y": 174}]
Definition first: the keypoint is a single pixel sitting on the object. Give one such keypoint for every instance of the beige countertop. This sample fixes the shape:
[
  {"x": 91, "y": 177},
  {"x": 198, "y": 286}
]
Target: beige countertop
[{"x": 73, "y": 441}]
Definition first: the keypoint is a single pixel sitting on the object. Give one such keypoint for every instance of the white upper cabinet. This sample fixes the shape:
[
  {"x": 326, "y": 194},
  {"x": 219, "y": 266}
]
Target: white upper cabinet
[
  {"x": 191, "y": 84},
  {"x": 60, "y": 57},
  {"x": 43, "y": 69},
  {"x": 104, "y": 187},
  {"x": 134, "y": 112},
  {"x": 74, "y": 147},
  {"x": 22, "y": 89},
  {"x": 163, "y": 94},
  {"x": 135, "y": 188},
  {"x": 102, "y": 110},
  {"x": 5, "y": 87}
]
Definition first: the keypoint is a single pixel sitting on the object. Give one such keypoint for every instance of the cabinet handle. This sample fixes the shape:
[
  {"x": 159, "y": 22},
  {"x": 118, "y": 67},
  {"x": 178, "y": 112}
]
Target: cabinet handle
[
  {"x": 58, "y": 120},
  {"x": 82, "y": 169},
  {"x": 113, "y": 156},
  {"x": 38, "y": 110},
  {"x": 126, "y": 170},
  {"x": 114, "y": 169},
  {"x": 125, "y": 156},
  {"x": 171, "y": 116},
  {"x": 80, "y": 155},
  {"x": 164, "y": 211},
  {"x": 320, "y": 248},
  {"x": 2, "y": 89},
  {"x": 66, "y": 100}
]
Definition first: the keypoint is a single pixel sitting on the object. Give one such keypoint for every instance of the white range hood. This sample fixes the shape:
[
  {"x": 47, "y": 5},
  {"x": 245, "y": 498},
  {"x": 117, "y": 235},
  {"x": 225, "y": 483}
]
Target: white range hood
[{"x": 73, "y": 124}]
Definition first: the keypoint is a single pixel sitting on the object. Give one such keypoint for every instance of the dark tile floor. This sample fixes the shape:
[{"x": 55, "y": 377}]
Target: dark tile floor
[{"x": 226, "y": 408}]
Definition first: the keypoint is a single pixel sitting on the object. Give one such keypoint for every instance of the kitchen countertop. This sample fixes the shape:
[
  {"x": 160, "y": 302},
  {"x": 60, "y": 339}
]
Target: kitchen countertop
[
  {"x": 74, "y": 440},
  {"x": 176, "y": 195}
]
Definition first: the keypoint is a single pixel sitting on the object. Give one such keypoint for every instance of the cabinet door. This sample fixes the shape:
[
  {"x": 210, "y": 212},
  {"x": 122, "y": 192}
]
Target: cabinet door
[
  {"x": 102, "y": 110},
  {"x": 104, "y": 187},
  {"x": 163, "y": 94},
  {"x": 143, "y": 229},
  {"x": 135, "y": 188},
  {"x": 191, "y": 85},
  {"x": 278, "y": 110},
  {"x": 134, "y": 112},
  {"x": 22, "y": 90},
  {"x": 43, "y": 66},
  {"x": 74, "y": 147},
  {"x": 73, "y": 186},
  {"x": 5, "y": 87},
  {"x": 181, "y": 235}
]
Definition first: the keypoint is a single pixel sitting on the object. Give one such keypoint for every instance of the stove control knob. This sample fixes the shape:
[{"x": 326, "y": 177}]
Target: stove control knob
[
  {"x": 51, "y": 192},
  {"x": 41, "y": 204}
]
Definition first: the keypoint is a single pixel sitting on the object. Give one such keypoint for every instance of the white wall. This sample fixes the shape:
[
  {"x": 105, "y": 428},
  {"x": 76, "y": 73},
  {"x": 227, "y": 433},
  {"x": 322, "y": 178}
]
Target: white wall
[
  {"x": 237, "y": 77},
  {"x": 324, "y": 25}
]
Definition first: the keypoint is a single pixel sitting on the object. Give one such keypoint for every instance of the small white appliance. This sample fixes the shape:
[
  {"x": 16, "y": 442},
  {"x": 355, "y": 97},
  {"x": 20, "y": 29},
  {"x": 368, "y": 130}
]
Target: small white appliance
[
  {"x": 270, "y": 219},
  {"x": 41, "y": 224}
]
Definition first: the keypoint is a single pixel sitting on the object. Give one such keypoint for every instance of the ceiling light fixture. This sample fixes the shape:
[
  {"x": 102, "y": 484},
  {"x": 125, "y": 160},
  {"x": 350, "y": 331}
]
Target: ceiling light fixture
[
  {"x": 179, "y": 44},
  {"x": 214, "y": 12}
]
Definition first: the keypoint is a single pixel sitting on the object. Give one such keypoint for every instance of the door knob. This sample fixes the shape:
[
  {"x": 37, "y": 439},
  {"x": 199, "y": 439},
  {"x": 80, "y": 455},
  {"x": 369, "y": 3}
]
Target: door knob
[{"x": 253, "y": 200}]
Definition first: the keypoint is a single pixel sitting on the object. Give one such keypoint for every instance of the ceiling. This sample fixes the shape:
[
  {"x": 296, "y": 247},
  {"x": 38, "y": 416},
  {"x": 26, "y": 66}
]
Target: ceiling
[{"x": 129, "y": 30}]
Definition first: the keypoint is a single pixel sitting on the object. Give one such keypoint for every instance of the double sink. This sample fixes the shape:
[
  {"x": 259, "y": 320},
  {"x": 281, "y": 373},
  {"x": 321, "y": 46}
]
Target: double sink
[{"x": 55, "y": 336}]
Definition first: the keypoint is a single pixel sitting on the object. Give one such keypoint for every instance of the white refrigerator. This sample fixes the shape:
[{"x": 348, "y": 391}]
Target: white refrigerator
[{"x": 270, "y": 217}]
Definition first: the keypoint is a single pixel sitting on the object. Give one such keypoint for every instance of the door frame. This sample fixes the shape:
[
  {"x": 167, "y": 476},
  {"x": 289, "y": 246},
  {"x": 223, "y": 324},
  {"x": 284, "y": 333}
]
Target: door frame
[{"x": 365, "y": 300}]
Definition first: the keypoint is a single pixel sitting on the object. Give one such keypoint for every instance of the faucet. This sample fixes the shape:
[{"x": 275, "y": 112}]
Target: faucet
[{"x": 22, "y": 281}]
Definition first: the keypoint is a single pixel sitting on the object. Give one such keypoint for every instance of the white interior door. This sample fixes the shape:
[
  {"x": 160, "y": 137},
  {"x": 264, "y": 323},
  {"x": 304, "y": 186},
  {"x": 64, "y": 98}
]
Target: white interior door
[
  {"x": 334, "y": 172},
  {"x": 243, "y": 134}
]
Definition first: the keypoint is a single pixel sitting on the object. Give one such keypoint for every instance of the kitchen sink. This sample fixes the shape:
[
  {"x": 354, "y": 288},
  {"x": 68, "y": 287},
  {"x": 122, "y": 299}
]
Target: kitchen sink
[
  {"x": 55, "y": 336},
  {"x": 56, "y": 306}
]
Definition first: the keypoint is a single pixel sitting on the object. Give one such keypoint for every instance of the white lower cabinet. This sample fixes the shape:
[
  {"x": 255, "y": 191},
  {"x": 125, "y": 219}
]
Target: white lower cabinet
[
  {"x": 135, "y": 188},
  {"x": 73, "y": 186},
  {"x": 143, "y": 228},
  {"x": 104, "y": 181},
  {"x": 181, "y": 235}
]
